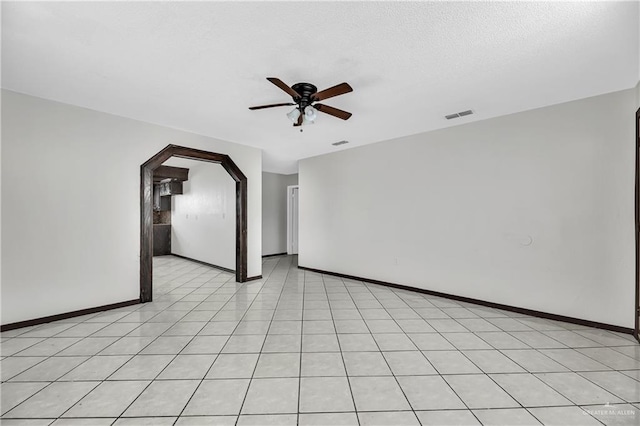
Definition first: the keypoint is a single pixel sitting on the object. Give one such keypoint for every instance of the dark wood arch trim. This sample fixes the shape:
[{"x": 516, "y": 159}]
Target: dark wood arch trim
[{"x": 146, "y": 210}]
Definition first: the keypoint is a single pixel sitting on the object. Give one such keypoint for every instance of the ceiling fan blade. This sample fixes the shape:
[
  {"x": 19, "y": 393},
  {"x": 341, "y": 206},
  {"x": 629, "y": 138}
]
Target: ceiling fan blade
[
  {"x": 284, "y": 87},
  {"x": 333, "y": 111},
  {"x": 336, "y": 90},
  {"x": 270, "y": 106},
  {"x": 299, "y": 122}
]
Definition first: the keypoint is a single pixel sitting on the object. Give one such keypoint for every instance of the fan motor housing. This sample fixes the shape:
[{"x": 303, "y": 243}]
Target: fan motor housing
[{"x": 306, "y": 91}]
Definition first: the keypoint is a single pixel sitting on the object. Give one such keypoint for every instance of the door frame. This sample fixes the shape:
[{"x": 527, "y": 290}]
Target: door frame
[
  {"x": 146, "y": 210},
  {"x": 289, "y": 216},
  {"x": 636, "y": 331}
]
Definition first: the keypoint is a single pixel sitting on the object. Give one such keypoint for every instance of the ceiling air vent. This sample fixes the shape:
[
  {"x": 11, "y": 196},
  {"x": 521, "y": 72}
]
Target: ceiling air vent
[
  {"x": 339, "y": 143},
  {"x": 458, "y": 114}
]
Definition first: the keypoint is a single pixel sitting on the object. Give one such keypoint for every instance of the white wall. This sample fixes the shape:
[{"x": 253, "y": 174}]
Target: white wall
[
  {"x": 71, "y": 209},
  {"x": 274, "y": 211},
  {"x": 534, "y": 210},
  {"x": 203, "y": 219}
]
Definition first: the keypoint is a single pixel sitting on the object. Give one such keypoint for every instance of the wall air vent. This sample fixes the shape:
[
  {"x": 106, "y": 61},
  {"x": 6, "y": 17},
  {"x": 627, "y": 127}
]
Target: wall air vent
[
  {"x": 339, "y": 143},
  {"x": 458, "y": 114}
]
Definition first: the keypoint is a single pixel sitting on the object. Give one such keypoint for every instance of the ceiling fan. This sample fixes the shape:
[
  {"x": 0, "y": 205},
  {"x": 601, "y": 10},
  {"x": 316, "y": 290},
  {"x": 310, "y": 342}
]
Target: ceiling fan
[{"x": 305, "y": 97}]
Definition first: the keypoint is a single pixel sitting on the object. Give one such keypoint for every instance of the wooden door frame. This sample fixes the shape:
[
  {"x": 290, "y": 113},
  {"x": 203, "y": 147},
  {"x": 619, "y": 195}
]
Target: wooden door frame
[
  {"x": 146, "y": 211},
  {"x": 636, "y": 331}
]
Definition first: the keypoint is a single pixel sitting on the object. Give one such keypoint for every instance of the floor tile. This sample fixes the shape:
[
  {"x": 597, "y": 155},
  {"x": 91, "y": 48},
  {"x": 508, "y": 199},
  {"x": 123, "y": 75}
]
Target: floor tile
[
  {"x": 257, "y": 343},
  {"x": 415, "y": 326},
  {"x": 46, "y": 347},
  {"x": 109, "y": 399},
  {"x": 492, "y": 396},
  {"x": 574, "y": 360},
  {"x": 356, "y": 326},
  {"x": 450, "y": 362},
  {"x": 493, "y": 362},
  {"x": 321, "y": 364},
  {"x": 12, "y": 366},
  {"x": 534, "y": 361},
  {"x": 502, "y": 340},
  {"x": 477, "y": 324},
  {"x": 430, "y": 342},
  {"x": 318, "y": 327},
  {"x": 616, "y": 383},
  {"x": 564, "y": 416},
  {"x": 163, "y": 398},
  {"x": 529, "y": 391},
  {"x": 325, "y": 394},
  {"x": 357, "y": 342},
  {"x": 366, "y": 364},
  {"x": 447, "y": 418},
  {"x": 84, "y": 421},
  {"x": 52, "y": 401},
  {"x": 447, "y": 326},
  {"x": 397, "y": 418},
  {"x": 267, "y": 419},
  {"x": 429, "y": 393},
  {"x": 324, "y": 419},
  {"x": 217, "y": 398},
  {"x": 577, "y": 389},
  {"x": 611, "y": 358},
  {"x": 96, "y": 368},
  {"x": 571, "y": 339},
  {"x": 88, "y": 346},
  {"x": 201, "y": 345},
  {"x": 13, "y": 394},
  {"x": 49, "y": 370},
  {"x": 127, "y": 346},
  {"x": 272, "y": 396},
  {"x": 506, "y": 417},
  {"x": 409, "y": 363},
  {"x": 281, "y": 343},
  {"x": 188, "y": 367},
  {"x": 320, "y": 343},
  {"x": 166, "y": 345},
  {"x": 615, "y": 414},
  {"x": 377, "y": 394},
  {"x": 206, "y": 420},
  {"x": 537, "y": 340},
  {"x": 244, "y": 344},
  {"x": 464, "y": 341},
  {"x": 142, "y": 367},
  {"x": 394, "y": 342},
  {"x": 278, "y": 365}
]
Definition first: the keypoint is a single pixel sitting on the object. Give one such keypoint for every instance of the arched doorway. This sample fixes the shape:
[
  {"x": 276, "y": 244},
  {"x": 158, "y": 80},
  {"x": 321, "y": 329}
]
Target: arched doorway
[{"x": 146, "y": 211}]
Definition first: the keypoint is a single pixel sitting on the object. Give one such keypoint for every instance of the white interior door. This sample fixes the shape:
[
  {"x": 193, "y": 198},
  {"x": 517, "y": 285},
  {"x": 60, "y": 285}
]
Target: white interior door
[{"x": 292, "y": 219}]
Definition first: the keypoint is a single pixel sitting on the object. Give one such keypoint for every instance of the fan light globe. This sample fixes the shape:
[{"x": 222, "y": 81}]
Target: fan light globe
[
  {"x": 294, "y": 114},
  {"x": 310, "y": 113}
]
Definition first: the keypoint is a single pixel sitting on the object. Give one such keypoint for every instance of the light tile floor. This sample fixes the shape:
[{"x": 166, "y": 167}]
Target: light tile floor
[{"x": 303, "y": 348}]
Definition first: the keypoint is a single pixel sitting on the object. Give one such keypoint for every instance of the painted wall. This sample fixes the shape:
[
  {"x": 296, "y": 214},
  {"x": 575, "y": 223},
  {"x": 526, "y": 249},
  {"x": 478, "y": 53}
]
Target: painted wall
[
  {"x": 203, "y": 219},
  {"x": 274, "y": 211},
  {"x": 534, "y": 209},
  {"x": 71, "y": 209}
]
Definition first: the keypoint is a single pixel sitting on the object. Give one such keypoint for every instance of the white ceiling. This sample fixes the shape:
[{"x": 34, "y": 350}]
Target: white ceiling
[{"x": 198, "y": 66}]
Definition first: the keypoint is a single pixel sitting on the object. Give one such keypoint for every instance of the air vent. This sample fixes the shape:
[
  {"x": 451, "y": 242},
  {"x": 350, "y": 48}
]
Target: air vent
[
  {"x": 458, "y": 114},
  {"x": 339, "y": 143}
]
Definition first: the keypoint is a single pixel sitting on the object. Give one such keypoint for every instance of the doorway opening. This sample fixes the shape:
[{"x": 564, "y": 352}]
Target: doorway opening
[
  {"x": 146, "y": 211},
  {"x": 292, "y": 219},
  {"x": 636, "y": 331}
]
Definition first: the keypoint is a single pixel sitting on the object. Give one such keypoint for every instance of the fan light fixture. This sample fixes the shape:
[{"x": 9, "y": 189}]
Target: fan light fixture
[
  {"x": 310, "y": 114},
  {"x": 303, "y": 96},
  {"x": 293, "y": 115}
]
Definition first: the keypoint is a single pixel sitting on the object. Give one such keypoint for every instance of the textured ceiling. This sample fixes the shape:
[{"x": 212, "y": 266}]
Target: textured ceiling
[{"x": 198, "y": 66}]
